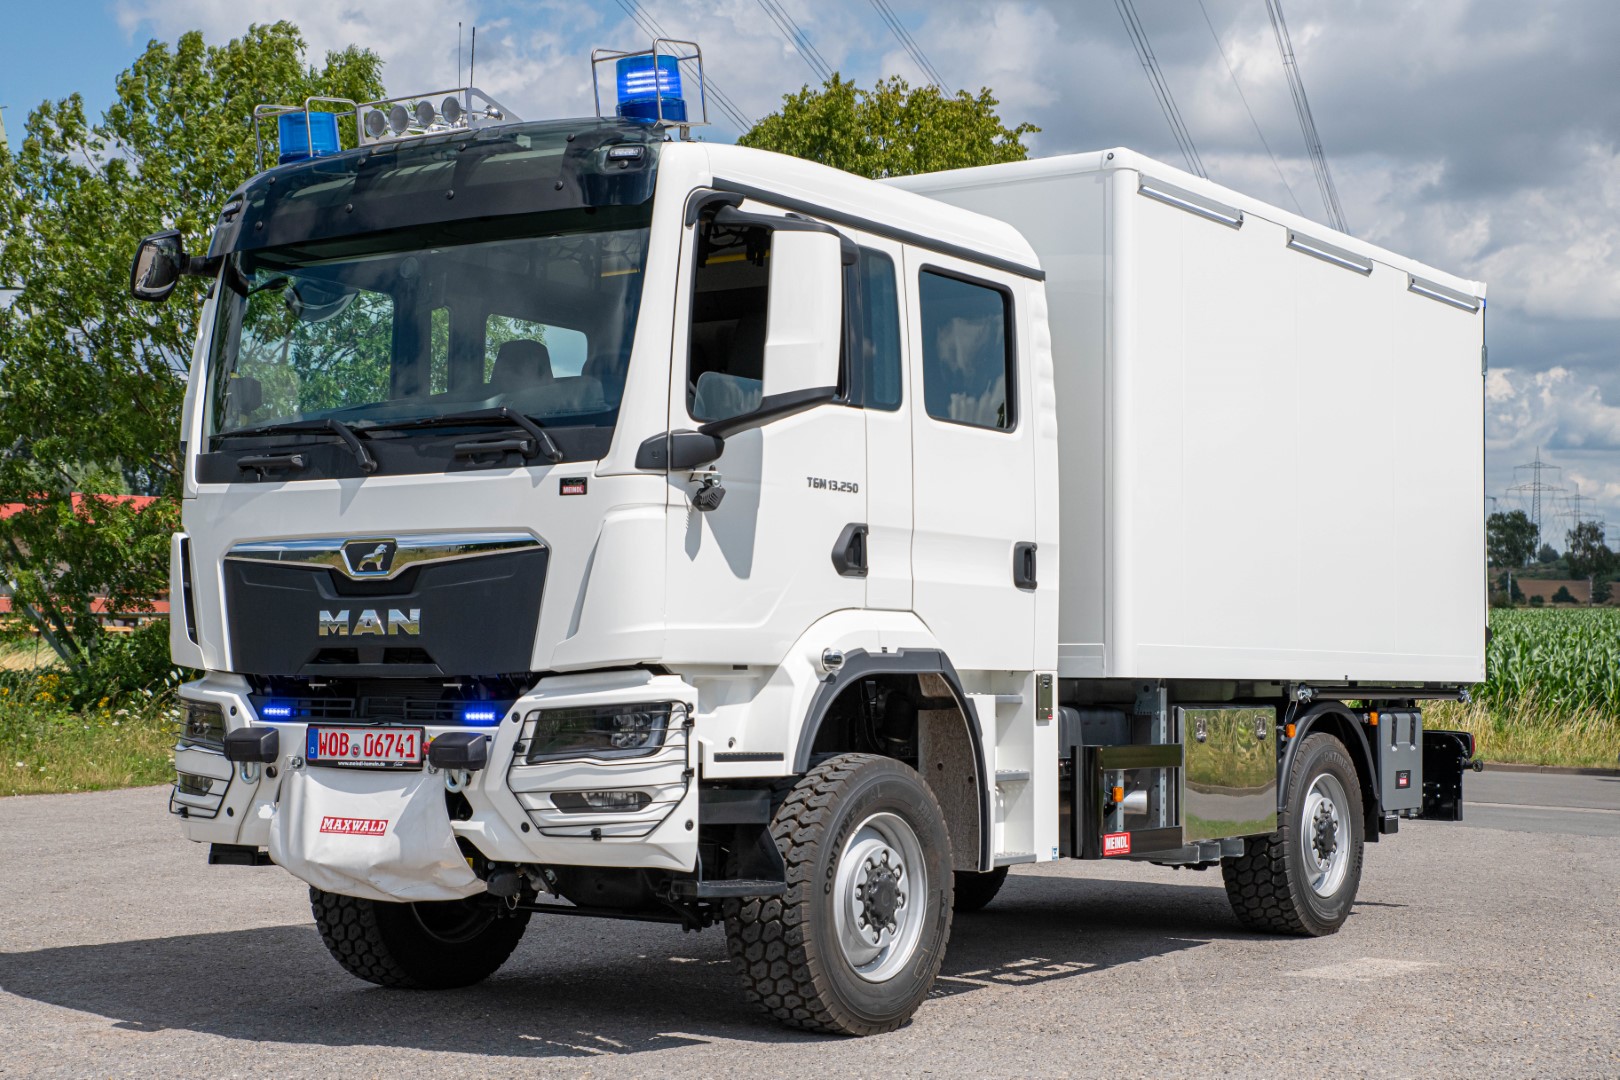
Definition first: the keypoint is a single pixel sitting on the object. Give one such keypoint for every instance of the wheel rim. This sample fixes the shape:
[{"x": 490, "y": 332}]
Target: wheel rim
[
  {"x": 879, "y": 896},
  {"x": 1325, "y": 835},
  {"x": 453, "y": 922}
]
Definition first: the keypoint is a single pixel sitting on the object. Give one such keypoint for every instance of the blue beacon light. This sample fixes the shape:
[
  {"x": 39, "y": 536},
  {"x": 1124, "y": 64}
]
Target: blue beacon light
[
  {"x": 297, "y": 135},
  {"x": 276, "y": 712},
  {"x": 643, "y": 85}
]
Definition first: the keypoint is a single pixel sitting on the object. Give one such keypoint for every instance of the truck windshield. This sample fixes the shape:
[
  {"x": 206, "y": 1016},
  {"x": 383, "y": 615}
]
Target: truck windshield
[{"x": 432, "y": 321}]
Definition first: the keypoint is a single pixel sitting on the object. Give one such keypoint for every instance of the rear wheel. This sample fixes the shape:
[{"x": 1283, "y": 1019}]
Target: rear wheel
[
  {"x": 974, "y": 891},
  {"x": 854, "y": 945},
  {"x": 1303, "y": 879},
  {"x": 423, "y": 946}
]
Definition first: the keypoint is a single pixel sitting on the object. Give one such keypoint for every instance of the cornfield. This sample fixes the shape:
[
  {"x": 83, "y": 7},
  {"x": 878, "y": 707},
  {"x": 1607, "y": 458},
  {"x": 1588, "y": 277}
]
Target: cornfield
[
  {"x": 1566, "y": 660},
  {"x": 1552, "y": 690}
]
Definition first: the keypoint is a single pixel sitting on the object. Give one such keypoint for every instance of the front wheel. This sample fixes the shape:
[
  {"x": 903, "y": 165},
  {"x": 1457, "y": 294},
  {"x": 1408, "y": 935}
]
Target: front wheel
[
  {"x": 422, "y": 946},
  {"x": 1303, "y": 879},
  {"x": 854, "y": 945}
]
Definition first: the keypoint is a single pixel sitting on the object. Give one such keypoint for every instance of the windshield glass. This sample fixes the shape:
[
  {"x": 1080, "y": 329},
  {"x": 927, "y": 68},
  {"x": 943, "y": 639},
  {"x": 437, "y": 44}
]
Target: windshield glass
[{"x": 432, "y": 321}]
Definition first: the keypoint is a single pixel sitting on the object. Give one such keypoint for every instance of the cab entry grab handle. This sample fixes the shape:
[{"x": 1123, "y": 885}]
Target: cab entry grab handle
[{"x": 1024, "y": 565}]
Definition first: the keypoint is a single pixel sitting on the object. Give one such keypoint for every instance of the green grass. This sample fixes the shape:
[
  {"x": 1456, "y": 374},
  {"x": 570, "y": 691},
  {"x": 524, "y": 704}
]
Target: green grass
[
  {"x": 47, "y": 746},
  {"x": 1552, "y": 690}
]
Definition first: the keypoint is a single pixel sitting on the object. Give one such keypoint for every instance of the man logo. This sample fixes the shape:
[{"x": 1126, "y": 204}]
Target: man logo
[
  {"x": 370, "y": 622},
  {"x": 369, "y": 558}
]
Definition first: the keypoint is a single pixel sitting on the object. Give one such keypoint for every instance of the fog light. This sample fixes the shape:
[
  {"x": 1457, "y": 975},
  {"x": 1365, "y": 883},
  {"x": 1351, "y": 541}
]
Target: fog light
[
  {"x": 187, "y": 784},
  {"x": 610, "y": 802},
  {"x": 203, "y": 724}
]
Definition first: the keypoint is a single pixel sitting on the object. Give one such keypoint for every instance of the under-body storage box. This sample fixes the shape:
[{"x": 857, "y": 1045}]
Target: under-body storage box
[{"x": 1271, "y": 434}]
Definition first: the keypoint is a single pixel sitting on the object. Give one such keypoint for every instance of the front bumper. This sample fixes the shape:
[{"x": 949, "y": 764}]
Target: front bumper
[{"x": 507, "y": 810}]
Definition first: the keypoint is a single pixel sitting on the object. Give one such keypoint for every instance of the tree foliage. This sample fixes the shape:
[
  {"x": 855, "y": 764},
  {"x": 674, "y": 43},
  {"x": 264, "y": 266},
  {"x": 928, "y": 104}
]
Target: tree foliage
[
  {"x": 892, "y": 129},
  {"x": 1588, "y": 555},
  {"x": 1510, "y": 538},
  {"x": 90, "y": 381}
]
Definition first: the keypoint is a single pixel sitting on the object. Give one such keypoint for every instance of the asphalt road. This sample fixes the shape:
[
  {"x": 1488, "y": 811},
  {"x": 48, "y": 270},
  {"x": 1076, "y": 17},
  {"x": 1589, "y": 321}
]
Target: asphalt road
[{"x": 1485, "y": 949}]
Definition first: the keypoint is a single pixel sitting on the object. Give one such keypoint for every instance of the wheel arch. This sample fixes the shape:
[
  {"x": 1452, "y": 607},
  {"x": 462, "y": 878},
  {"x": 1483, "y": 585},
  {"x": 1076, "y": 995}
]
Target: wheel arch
[
  {"x": 859, "y": 665},
  {"x": 1341, "y": 722}
]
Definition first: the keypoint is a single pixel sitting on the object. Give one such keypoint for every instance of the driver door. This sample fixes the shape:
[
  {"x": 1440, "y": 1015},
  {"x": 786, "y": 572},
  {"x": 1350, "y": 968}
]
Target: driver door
[{"x": 747, "y": 578}]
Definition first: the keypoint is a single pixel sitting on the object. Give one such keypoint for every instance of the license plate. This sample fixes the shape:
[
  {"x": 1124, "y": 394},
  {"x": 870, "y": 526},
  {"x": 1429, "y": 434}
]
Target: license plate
[{"x": 365, "y": 747}]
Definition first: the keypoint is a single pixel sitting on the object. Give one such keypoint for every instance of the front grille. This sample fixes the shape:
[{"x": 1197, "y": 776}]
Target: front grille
[{"x": 410, "y": 701}]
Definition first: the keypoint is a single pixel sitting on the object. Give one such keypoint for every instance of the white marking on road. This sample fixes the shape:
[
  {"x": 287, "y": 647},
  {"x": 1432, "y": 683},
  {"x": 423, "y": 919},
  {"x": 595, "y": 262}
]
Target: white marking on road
[
  {"x": 1365, "y": 969},
  {"x": 1544, "y": 806}
]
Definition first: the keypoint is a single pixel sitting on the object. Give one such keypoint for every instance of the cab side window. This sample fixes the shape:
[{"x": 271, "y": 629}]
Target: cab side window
[
  {"x": 873, "y": 333},
  {"x": 725, "y": 372},
  {"x": 966, "y": 351}
]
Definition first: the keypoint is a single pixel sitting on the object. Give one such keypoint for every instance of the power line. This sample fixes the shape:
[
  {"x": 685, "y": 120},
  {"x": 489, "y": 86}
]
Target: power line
[
  {"x": 797, "y": 38},
  {"x": 1222, "y": 49},
  {"x": 1307, "y": 124},
  {"x": 649, "y": 26},
  {"x": 909, "y": 43},
  {"x": 1161, "y": 89}
]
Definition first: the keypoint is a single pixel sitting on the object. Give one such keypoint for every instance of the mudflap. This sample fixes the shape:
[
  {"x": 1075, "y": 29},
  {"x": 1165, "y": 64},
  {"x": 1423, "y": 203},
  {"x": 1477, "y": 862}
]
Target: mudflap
[
  {"x": 1446, "y": 756},
  {"x": 379, "y": 835}
]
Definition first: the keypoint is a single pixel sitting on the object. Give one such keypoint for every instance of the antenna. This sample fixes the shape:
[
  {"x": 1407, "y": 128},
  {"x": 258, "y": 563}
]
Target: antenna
[
  {"x": 472, "y": 61},
  {"x": 458, "y": 52}
]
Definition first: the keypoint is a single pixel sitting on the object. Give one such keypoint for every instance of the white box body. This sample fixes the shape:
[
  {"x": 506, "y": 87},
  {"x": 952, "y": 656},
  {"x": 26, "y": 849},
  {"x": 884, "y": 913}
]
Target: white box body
[{"x": 1271, "y": 460}]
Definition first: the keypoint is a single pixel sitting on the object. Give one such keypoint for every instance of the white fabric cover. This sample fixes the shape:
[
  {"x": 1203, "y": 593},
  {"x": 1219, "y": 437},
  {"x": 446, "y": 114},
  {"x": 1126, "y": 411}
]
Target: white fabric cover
[{"x": 375, "y": 834}]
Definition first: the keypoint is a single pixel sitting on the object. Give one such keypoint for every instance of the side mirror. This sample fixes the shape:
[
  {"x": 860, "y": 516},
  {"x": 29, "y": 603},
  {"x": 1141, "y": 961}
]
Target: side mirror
[
  {"x": 804, "y": 327},
  {"x": 159, "y": 261}
]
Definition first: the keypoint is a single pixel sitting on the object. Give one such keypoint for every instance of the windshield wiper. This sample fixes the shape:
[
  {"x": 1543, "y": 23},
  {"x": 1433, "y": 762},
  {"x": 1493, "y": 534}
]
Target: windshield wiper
[
  {"x": 542, "y": 444},
  {"x": 343, "y": 431}
]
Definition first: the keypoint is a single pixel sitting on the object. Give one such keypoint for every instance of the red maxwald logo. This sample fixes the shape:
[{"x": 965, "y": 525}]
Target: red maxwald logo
[
  {"x": 354, "y": 826},
  {"x": 1118, "y": 843}
]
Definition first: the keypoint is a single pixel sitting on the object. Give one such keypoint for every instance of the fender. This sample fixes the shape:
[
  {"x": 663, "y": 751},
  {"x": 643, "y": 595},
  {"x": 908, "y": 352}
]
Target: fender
[
  {"x": 858, "y": 664},
  {"x": 1360, "y": 752}
]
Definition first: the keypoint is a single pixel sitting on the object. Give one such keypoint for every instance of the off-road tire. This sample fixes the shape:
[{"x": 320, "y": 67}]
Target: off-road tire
[
  {"x": 1268, "y": 884},
  {"x": 391, "y": 944},
  {"x": 974, "y": 891},
  {"x": 786, "y": 948}
]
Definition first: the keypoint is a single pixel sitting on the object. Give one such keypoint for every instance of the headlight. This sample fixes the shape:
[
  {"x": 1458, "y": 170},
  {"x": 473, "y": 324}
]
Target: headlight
[
  {"x": 602, "y": 731},
  {"x": 203, "y": 723}
]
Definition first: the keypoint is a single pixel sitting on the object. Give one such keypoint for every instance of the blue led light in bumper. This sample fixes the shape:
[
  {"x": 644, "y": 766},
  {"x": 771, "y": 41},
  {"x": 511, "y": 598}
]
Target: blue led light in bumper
[
  {"x": 276, "y": 712},
  {"x": 480, "y": 716}
]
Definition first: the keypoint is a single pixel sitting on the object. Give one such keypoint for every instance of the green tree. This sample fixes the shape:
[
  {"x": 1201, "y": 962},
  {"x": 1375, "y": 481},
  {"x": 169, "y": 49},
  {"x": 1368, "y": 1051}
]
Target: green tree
[
  {"x": 1510, "y": 538},
  {"x": 90, "y": 381},
  {"x": 892, "y": 129},
  {"x": 1563, "y": 595},
  {"x": 1588, "y": 555},
  {"x": 1546, "y": 555}
]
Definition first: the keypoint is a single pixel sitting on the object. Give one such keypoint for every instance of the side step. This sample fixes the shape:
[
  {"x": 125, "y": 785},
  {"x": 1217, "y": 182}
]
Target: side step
[
  {"x": 1012, "y": 858},
  {"x": 237, "y": 855}
]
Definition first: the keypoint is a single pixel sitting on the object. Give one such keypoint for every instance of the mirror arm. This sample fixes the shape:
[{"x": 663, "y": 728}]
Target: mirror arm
[
  {"x": 772, "y": 408},
  {"x": 202, "y": 266}
]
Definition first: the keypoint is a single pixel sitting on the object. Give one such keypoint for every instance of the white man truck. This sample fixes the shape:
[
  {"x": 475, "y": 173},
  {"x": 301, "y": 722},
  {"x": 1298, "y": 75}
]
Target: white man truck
[{"x": 584, "y": 520}]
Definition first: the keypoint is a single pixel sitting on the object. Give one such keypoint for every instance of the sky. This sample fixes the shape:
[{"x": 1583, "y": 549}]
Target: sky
[{"x": 1479, "y": 136}]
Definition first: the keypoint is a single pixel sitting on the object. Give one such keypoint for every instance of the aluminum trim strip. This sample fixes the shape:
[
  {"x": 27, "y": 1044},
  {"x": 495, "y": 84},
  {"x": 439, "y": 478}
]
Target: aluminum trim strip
[
  {"x": 411, "y": 550},
  {"x": 1435, "y": 291},
  {"x": 1328, "y": 253},
  {"x": 1230, "y": 216}
]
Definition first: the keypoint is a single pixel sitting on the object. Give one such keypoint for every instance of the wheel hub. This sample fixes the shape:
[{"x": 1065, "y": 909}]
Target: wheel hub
[
  {"x": 879, "y": 894},
  {"x": 879, "y": 889},
  {"x": 1324, "y": 832}
]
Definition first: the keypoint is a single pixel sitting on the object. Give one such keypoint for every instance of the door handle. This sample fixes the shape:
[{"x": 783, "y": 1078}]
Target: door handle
[
  {"x": 849, "y": 553},
  {"x": 1024, "y": 565}
]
